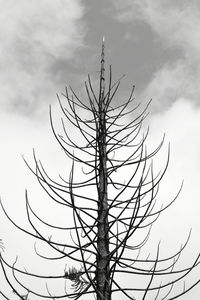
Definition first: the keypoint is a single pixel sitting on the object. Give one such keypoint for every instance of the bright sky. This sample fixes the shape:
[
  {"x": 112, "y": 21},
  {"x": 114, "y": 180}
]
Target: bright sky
[{"x": 46, "y": 44}]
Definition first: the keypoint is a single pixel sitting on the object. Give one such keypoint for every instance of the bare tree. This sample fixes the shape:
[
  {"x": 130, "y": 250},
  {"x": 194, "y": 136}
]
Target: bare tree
[{"x": 114, "y": 200}]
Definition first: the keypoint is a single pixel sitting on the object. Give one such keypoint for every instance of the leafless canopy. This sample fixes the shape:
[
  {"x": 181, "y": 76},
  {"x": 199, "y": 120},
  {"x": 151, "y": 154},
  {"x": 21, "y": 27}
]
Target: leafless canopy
[{"x": 112, "y": 201}]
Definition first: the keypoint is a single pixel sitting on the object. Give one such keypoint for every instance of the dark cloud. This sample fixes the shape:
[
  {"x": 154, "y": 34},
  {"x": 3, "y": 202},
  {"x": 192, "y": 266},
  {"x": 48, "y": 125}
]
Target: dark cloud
[{"x": 176, "y": 30}]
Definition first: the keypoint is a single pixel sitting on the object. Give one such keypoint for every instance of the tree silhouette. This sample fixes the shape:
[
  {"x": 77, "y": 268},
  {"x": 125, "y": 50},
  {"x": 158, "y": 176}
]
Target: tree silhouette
[{"x": 114, "y": 200}]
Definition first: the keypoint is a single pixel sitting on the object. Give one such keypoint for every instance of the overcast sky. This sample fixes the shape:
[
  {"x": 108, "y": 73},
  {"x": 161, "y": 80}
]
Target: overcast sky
[{"x": 47, "y": 44}]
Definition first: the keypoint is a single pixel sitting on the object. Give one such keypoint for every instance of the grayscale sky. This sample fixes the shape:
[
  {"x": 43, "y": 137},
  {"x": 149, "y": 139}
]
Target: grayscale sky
[{"x": 47, "y": 44}]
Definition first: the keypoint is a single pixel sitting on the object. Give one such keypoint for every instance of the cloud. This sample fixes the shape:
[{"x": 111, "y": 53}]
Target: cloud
[
  {"x": 34, "y": 35},
  {"x": 177, "y": 25}
]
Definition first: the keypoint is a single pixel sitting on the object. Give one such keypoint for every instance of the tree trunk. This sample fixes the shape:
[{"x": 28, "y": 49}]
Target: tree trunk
[{"x": 102, "y": 271}]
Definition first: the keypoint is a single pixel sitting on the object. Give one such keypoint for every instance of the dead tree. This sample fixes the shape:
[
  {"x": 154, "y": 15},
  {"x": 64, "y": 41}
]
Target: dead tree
[{"x": 114, "y": 200}]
